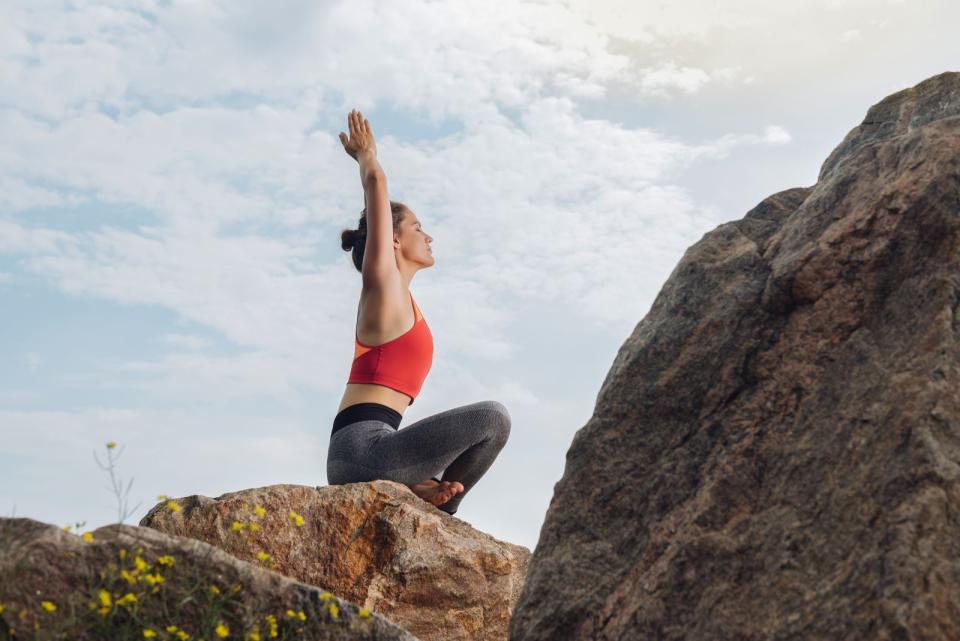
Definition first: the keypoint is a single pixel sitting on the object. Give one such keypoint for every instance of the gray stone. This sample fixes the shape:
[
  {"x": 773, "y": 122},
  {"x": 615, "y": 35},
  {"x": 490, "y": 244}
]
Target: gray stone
[{"x": 775, "y": 451}]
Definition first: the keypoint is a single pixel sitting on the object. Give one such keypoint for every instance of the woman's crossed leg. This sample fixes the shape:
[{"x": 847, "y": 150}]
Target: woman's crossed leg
[{"x": 462, "y": 443}]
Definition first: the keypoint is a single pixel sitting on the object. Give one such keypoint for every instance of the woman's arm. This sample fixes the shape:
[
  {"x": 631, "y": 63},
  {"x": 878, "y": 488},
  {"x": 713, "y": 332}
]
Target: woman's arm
[
  {"x": 369, "y": 168},
  {"x": 379, "y": 262}
]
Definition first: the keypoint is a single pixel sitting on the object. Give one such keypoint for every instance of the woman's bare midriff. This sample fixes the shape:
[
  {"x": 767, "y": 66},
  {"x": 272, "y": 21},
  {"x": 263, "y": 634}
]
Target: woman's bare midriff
[{"x": 371, "y": 392}]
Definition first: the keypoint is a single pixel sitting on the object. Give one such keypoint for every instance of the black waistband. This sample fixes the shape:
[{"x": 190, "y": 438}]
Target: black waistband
[{"x": 366, "y": 412}]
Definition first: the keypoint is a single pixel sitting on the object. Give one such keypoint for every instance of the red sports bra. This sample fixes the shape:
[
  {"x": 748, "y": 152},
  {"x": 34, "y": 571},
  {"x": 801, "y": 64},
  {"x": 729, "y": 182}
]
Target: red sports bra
[{"x": 401, "y": 364}]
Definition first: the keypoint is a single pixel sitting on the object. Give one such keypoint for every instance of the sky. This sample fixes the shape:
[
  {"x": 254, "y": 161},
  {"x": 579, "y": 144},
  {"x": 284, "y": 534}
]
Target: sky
[{"x": 172, "y": 191}]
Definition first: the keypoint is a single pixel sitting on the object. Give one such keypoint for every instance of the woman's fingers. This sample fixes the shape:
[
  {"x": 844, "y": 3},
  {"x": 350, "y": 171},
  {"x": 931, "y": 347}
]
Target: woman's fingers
[
  {"x": 357, "y": 122},
  {"x": 361, "y": 136}
]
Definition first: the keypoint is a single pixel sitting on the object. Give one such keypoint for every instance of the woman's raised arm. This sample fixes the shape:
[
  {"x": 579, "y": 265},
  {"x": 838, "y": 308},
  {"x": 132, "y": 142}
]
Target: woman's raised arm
[{"x": 379, "y": 261}]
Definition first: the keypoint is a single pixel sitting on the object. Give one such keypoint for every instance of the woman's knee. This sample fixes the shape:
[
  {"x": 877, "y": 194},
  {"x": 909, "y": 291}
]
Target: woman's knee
[{"x": 500, "y": 426}]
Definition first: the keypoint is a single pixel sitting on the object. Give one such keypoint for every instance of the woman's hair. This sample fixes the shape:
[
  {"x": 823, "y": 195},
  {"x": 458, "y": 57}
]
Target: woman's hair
[{"x": 356, "y": 239}]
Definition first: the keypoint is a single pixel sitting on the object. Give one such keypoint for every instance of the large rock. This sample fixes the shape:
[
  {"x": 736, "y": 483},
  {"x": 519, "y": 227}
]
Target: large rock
[
  {"x": 775, "y": 451},
  {"x": 376, "y": 544},
  {"x": 127, "y": 580}
]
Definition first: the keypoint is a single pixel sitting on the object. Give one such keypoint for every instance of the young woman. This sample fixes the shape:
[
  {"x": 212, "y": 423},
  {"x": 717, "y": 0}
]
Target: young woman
[{"x": 393, "y": 352}]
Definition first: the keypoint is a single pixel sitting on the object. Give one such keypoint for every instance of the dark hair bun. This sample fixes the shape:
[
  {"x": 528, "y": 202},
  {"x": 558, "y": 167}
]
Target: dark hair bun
[{"x": 348, "y": 238}]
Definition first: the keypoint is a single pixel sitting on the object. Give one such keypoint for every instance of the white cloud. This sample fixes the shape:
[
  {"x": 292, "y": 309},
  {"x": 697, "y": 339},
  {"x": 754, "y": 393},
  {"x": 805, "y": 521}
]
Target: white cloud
[
  {"x": 186, "y": 341},
  {"x": 776, "y": 135},
  {"x": 16, "y": 194},
  {"x": 658, "y": 81}
]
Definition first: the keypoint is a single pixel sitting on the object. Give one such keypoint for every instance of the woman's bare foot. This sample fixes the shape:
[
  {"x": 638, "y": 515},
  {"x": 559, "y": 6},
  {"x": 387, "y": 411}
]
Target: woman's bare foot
[{"x": 437, "y": 493}]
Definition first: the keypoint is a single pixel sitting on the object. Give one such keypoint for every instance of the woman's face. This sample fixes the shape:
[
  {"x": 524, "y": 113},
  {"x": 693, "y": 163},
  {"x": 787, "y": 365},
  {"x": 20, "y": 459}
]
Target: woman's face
[{"x": 414, "y": 241}]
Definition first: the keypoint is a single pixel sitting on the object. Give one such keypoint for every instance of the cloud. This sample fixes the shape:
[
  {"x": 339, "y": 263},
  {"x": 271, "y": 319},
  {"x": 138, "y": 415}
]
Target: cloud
[
  {"x": 777, "y": 135},
  {"x": 186, "y": 341},
  {"x": 667, "y": 75},
  {"x": 187, "y": 114}
]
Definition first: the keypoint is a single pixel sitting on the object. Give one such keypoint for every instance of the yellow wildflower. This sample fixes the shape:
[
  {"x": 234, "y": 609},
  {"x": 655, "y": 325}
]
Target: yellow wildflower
[
  {"x": 253, "y": 527},
  {"x": 166, "y": 559},
  {"x": 148, "y": 633},
  {"x": 222, "y": 630},
  {"x": 172, "y": 628},
  {"x": 262, "y": 556},
  {"x": 364, "y": 613},
  {"x": 126, "y": 575},
  {"x": 325, "y": 595},
  {"x": 104, "y": 597},
  {"x": 48, "y": 606},
  {"x": 154, "y": 578},
  {"x": 254, "y": 636},
  {"x": 87, "y": 536},
  {"x": 122, "y": 553},
  {"x": 296, "y": 518},
  {"x": 260, "y": 511},
  {"x": 302, "y": 616},
  {"x": 272, "y": 621},
  {"x": 129, "y": 597},
  {"x": 162, "y": 497},
  {"x": 183, "y": 635},
  {"x": 111, "y": 445},
  {"x": 214, "y": 589},
  {"x": 140, "y": 563},
  {"x": 66, "y": 528},
  {"x": 334, "y": 610},
  {"x": 173, "y": 505},
  {"x": 1, "y": 608}
]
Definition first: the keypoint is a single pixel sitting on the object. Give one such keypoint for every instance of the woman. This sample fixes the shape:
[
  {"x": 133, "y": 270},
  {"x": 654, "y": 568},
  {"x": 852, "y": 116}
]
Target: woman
[{"x": 393, "y": 352}]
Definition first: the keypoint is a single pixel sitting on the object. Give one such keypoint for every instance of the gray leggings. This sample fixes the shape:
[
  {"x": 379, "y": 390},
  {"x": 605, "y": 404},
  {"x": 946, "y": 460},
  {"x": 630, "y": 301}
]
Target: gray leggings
[{"x": 461, "y": 442}]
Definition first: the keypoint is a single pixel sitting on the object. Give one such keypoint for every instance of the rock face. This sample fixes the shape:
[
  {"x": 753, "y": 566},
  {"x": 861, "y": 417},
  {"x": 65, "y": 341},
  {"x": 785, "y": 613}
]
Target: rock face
[
  {"x": 127, "y": 580},
  {"x": 775, "y": 451},
  {"x": 376, "y": 544}
]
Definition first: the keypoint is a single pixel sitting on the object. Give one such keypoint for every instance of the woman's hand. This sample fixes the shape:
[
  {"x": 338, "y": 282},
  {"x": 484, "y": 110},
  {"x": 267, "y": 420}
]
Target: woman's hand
[{"x": 361, "y": 138}]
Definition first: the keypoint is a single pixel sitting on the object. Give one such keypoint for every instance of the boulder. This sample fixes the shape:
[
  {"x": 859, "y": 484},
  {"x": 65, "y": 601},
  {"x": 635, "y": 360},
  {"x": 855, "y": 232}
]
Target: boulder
[
  {"x": 376, "y": 544},
  {"x": 775, "y": 450},
  {"x": 129, "y": 582}
]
